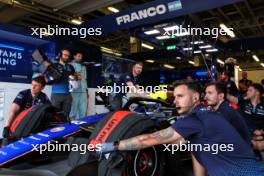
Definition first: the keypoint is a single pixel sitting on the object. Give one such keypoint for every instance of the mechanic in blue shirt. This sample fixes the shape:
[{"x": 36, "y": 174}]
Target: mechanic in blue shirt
[
  {"x": 130, "y": 80},
  {"x": 60, "y": 95},
  {"x": 215, "y": 95},
  {"x": 25, "y": 99},
  {"x": 252, "y": 107},
  {"x": 199, "y": 126}
]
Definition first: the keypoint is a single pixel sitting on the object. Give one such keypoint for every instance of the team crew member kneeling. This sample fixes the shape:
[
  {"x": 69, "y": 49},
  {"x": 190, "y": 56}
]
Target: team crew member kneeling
[
  {"x": 215, "y": 94},
  {"x": 199, "y": 126},
  {"x": 25, "y": 99}
]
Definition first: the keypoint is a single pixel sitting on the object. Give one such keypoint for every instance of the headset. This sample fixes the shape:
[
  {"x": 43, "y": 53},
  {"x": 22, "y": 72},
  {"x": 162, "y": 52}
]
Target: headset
[{"x": 59, "y": 55}]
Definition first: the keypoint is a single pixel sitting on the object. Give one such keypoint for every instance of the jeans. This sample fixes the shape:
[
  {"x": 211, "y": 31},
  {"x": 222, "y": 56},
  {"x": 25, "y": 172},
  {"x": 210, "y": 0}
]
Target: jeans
[{"x": 79, "y": 105}]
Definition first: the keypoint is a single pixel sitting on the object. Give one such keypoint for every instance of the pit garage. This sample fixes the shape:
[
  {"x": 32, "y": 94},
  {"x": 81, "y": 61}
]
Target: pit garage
[{"x": 135, "y": 88}]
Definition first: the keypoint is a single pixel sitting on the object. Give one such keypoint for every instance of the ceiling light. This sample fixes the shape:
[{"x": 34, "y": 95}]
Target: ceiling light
[
  {"x": 171, "y": 28},
  {"x": 191, "y": 62},
  {"x": 150, "y": 61},
  {"x": 112, "y": 9},
  {"x": 220, "y": 62},
  {"x": 187, "y": 49},
  {"x": 205, "y": 46},
  {"x": 211, "y": 50},
  {"x": 147, "y": 46},
  {"x": 255, "y": 57},
  {"x": 262, "y": 64},
  {"x": 76, "y": 21},
  {"x": 110, "y": 51},
  {"x": 227, "y": 30},
  {"x": 107, "y": 49},
  {"x": 162, "y": 37},
  {"x": 197, "y": 51},
  {"x": 197, "y": 42},
  {"x": 179, "y": 58},
  {"x": 118, "y": 54},
  {"x": 168, "y": 66},
  {"x": 154, "y": 31},
  {"x": 97, "y": 65}
]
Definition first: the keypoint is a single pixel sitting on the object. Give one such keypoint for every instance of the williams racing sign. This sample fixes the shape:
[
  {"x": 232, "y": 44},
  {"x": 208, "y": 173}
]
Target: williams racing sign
[{"x": 15, "y": 63}]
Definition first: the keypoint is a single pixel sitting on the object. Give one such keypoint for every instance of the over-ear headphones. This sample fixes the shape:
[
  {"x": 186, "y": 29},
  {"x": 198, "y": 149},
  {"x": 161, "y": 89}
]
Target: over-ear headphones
[{"x": 60, "y": 53}]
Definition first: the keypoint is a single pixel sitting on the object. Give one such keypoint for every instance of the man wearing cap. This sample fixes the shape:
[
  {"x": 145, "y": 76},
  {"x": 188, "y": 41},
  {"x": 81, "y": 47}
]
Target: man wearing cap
[{"x": 25, "y": 99}]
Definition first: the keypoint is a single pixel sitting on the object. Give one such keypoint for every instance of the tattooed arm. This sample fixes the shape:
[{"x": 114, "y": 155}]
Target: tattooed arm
[{"x": 168, "y": 135}]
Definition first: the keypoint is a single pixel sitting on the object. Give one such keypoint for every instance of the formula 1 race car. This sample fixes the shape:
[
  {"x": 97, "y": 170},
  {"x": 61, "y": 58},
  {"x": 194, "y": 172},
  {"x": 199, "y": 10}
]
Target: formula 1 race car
[{"x": 139, "y": 115}]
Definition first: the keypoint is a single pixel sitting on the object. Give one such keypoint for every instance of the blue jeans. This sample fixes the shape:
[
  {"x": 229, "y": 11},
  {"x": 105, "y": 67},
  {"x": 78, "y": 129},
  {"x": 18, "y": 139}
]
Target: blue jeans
[{"x": 79, "y": 105}]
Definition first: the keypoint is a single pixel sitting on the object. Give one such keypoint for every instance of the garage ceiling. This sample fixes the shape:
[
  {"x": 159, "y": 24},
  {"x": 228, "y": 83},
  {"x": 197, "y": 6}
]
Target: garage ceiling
[{"x": 246, "y": 17}]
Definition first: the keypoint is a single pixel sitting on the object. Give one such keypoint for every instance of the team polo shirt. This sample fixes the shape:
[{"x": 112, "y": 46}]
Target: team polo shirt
[
  {"x": 62, "y": 87},
  {"x": 202, "y": 127},
  {"x": 25, "y": 100},
  {"x": 254, "y": 115},
  {"x": 235, "y": 118},
  {"x": 125, "y": 78}
]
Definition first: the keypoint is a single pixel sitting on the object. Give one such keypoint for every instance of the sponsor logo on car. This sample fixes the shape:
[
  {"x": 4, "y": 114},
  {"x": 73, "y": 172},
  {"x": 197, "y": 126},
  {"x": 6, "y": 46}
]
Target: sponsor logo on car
[
  {"x": 42, "y": 134},
  {"x": 12, "y": 146},
  {"x": 22, "y": 141},
  {"x": 77, "y": 122},
  {"x": 57, "y": 129},
  {"x": 3, "y": 153},
  {"x": 34, "y": 138}
]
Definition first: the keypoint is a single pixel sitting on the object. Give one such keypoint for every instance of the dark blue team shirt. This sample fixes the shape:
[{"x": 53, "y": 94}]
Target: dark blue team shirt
[
  {"x": 62, "y": 86},
  {"x": 254, "y": 115},
  {"x": 235, "y": 118},
  {"x": 25, "y": 100},
  {"x": 209, "y": 128},
  {"x": 127, "y": 77}
]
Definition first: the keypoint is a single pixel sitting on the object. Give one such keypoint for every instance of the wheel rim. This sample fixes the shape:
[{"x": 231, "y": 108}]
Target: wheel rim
[{"x": 145, "y": 162}]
